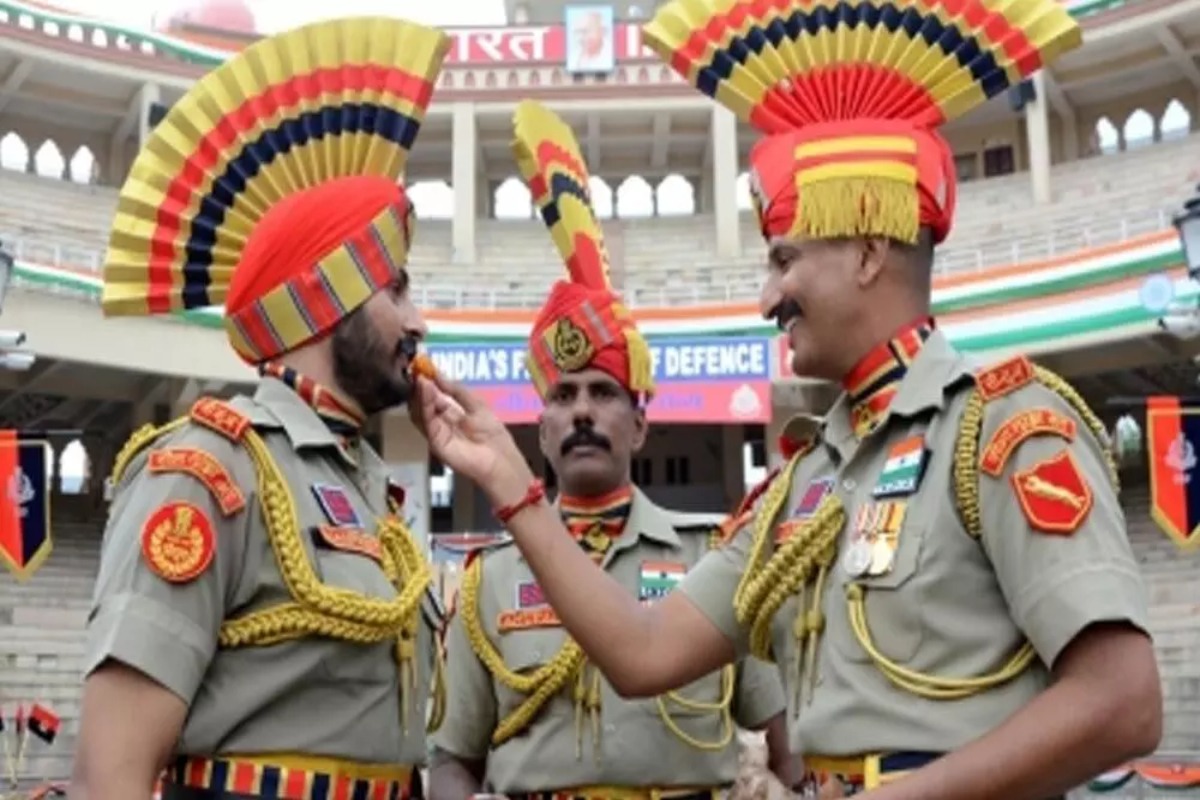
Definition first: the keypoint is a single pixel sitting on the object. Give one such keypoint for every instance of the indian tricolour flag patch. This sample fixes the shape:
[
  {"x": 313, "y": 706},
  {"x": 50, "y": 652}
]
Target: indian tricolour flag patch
[
  {"x": 903, "y": 468},
  {"x": 658, "y": 578}
]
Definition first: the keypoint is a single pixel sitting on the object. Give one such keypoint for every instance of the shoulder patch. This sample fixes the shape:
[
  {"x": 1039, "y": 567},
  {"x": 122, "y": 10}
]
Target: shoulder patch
[
  {"x": 1004, "y": 378},
  {"x": 204, "y": 467},
  {"x": 219, "y": 416},
  {"x": 1054, "y": 494},
  {"x": 178, "y": 541},
  {"x": 1016, "y": 429}
]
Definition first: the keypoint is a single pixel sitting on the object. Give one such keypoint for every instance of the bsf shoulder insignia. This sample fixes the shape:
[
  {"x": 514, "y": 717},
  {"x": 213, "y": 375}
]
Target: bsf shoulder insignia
[
  {"x": 204, "y": 467},
  {"x": 1004, "y": 378},
  {"x": 218, "y": 416},
  {"x": 178, "y": 541},
  {"x": 1054, "y": 494},
  {"x": 1018, "y": 428}
]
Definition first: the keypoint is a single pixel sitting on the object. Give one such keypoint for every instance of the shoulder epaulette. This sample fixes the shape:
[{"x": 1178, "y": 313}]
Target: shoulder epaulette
[
  {"x": 752, "y": 496},
  {"x": 1004, "y": 378},
  {"x": 972, "y": 456},
  {"x": 138, "y": 441},
  {"x": 219, "y": 416},
  {"x": 479, "y": 550},
  {"x": 214, "y": 414}
]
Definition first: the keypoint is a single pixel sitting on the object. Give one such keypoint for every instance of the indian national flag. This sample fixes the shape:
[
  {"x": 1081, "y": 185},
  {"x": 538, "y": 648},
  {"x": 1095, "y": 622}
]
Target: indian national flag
[
  {"x": 659, "y": 578},
  {"x": 902, "y": 470}
]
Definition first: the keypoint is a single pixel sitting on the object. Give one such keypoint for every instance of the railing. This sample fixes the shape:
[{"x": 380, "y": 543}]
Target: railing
[
  {"x": 1098, "y": 232},
  {"x": 740, "y": 286},
  {"x": 104, "y": 35}
]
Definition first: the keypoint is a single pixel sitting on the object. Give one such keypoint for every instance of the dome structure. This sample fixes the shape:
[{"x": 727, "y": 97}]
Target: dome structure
[{"x": 232, "y": 16}]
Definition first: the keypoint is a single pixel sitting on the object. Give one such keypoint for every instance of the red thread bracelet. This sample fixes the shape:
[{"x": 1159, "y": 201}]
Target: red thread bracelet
[{"x": 534, "y": 494}]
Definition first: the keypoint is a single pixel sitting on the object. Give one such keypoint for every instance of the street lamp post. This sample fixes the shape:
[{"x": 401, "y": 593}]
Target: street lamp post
[
  {"x": 1183, "y": 322},
  {"x": 1187, "y": 223},
  {"x": 11, "y": 359},
  {"x": 6, "y": 271}
]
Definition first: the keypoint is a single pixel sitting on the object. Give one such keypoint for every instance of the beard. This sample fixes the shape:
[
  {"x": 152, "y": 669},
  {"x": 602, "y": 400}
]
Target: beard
[{"x": 365, "y": 365}]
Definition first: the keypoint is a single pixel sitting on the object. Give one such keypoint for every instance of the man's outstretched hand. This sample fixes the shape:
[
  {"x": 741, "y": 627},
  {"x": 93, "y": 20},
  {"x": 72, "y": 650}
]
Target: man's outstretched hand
[{"x": 465, "y": 435}]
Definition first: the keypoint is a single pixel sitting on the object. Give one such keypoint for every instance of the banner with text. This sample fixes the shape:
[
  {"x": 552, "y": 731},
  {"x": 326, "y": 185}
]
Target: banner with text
[{"x": 700, "y": 380}]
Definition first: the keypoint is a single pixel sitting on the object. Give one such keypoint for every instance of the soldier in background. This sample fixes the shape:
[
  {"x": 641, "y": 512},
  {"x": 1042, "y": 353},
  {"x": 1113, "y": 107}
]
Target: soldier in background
[{"x": 526, "y": 713}]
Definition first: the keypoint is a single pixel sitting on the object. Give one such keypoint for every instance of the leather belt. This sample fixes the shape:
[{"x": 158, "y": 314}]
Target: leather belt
[
  {"x": 283, "y": 777},
  {"x": 619, "y": 793},
  {"x": 858, "y": 773}
]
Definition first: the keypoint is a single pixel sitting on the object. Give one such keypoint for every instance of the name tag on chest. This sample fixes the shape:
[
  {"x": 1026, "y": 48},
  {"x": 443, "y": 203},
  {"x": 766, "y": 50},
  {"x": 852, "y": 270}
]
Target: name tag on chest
[{"x": 530, "y": 610}]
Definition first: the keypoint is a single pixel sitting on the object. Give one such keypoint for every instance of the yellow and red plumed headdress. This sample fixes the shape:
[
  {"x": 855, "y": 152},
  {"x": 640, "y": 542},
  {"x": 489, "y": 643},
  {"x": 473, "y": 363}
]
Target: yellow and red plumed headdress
[
  {"x": 272, "y": 187},
  {"x": 583, "y": 323},
  {"x": 850, "y": 96}
]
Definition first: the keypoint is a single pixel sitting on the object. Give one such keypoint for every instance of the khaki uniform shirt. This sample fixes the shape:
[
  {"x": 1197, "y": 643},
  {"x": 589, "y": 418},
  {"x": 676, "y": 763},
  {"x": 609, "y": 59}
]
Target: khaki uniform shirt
[
  {"x": 634, "y": 746},
  {"x": 314, "y": 695},
  {"x": 948, "y": 604}
]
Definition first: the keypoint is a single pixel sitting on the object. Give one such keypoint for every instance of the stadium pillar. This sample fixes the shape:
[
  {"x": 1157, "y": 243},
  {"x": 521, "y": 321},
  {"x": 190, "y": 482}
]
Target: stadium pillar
[
  {"x": 149, "y": 96},
  {"x": 1037, "y": 131},
  {"x": 724, "y": 182},
  {"x": 407, "y": 457},
  {"x": 733, "y": 478},
  {"x": 462, "y": 178}
]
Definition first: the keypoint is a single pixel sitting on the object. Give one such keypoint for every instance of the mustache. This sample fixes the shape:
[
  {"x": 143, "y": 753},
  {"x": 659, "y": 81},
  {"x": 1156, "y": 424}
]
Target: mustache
[
  {"x": 585, "y": 436},
  {"x": 407, "y": 347},
  {"x": 785, "y": 312}
]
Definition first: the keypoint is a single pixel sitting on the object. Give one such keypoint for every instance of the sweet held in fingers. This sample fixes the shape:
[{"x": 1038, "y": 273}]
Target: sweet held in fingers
[{"x": 422, "y": 366}]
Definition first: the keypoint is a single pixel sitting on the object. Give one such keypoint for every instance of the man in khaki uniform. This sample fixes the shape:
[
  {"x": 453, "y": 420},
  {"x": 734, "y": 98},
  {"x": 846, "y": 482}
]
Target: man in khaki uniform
[
  {"x": 261, "y": 625},
  {"x": 942, "y": 575},
  {"x": 526, "y": 713}
]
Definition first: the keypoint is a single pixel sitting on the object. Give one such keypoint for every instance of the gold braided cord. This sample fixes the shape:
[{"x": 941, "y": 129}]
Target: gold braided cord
[
  {"x": 723, "y": 707},
  {"x": 288, "y": 621},
  {"x": 540, "y": 685},
  {"x": 283, "y": 530},
  {"x": 138, "y": 441},
  {"x": 586, "y": 697},
  {"x": 967, "y": 443},
  {"x": 965, "y": 471},
  {"x": 568, "y": 667},
  {"x": 809, "y": 552},
  {"x": 804, "y": 557},
  {"x": 1066, "y": 391},
  {"x": 747, "y": 599},
  {"x": 437, "y": 709},
  {"x": 319, "y": 610},
  {"x": 930, "y": 687}
]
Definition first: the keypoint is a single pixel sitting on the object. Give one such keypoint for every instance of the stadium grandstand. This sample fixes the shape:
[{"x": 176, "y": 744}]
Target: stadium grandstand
[{"x": 1063, "y": 248}]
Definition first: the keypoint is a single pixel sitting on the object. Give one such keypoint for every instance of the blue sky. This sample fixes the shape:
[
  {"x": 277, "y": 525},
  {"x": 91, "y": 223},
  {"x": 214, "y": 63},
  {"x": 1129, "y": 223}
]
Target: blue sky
[{"x": 276, "y": 15}]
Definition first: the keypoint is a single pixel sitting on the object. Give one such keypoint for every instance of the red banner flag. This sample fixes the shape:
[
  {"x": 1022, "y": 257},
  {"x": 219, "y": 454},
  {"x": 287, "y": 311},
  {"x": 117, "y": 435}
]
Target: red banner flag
[
  {"x": 24, "y": 503},
  {"x": 1172, "y": 436},
  {"x": 43, "y": 723}
]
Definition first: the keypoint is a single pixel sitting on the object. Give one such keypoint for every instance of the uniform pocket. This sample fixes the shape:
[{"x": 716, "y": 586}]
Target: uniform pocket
[{"x": 892, "y": 602}]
